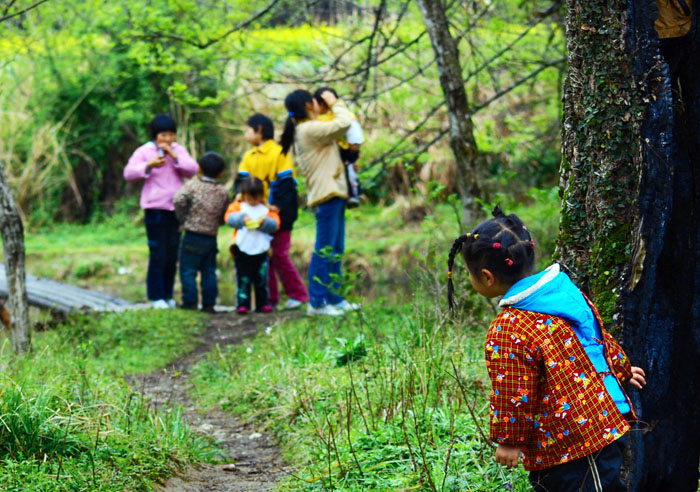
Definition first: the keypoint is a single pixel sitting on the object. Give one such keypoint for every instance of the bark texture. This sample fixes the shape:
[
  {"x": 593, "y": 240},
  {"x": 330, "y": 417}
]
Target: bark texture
[
  {"x": 630, "y": 230},
  {"x": 461, "y": 126},
  {"x": 13, "y": 246}
]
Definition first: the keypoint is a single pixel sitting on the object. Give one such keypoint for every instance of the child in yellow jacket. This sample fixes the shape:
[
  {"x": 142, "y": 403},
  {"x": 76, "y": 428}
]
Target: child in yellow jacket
[{"x": 275, "y": 169}]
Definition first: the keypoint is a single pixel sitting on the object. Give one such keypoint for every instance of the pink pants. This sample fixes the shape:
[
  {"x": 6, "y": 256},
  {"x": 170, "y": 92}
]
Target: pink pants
[{"x": 281, "y": 265}]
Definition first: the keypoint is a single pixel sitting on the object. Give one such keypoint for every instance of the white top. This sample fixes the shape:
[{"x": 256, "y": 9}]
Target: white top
[
  {"x": 252, "y": 241},
  {"x": 354, "y": 134}
]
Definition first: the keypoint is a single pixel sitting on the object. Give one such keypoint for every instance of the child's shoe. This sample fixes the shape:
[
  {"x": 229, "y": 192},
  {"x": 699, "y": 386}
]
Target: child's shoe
[
  {"x": 190, "y": 307},
  {"x": 266, "y": 308},
  {"x": 292, "y": 304},
  {"x": 171, "y": 303},
  {"x": 242, "y": 310},
  {"x": 209, "y": 309},
  {"x": 353, "y": 202},
  {"x": 161, "y": 304}
]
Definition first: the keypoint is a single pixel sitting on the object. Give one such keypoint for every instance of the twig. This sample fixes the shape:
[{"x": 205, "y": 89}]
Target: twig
[
  {"x": 469, "y": 407},
  {"x": 20, "y": 12},
  {"x": 348, "y": 398},
  {"x": 359, "y": 405},
  {"x": 449, "y": 451},
  {"x": 202, "y": 45},
  {"x": 335, "y": 445}
]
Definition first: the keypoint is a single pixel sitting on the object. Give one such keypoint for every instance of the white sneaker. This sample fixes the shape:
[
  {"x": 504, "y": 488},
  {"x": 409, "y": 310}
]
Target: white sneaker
[
  {"x": 161, "y": 304},
  {"x": 171, "y": 303},
  {"x": 344, "y": 306},
  {"x": 327, "y": 309},
  {"x": 292, "y": 304}
]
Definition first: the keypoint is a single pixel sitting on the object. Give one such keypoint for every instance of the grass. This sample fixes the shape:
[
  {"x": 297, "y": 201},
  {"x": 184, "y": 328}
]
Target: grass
[
  {"x": 68, "y": 420},
  {"x": 371, "y": 401},
  {"x": 110, "y": 254},
  {"x": 394, "y": 397},
  {"x": 391, "y": 398}
]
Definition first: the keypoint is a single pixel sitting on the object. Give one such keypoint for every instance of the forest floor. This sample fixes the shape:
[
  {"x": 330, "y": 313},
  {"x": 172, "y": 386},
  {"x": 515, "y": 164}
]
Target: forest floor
[{"x": 252, "y": 461}]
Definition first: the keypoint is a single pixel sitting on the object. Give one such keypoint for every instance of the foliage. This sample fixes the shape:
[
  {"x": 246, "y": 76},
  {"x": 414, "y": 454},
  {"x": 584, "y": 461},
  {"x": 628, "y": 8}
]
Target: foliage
[
  {"x": 70, "y": 422},
  {"x": 402, "y": 404},
  {"x": 394, "y": 419},
  {"x": 89, "y": 76}
]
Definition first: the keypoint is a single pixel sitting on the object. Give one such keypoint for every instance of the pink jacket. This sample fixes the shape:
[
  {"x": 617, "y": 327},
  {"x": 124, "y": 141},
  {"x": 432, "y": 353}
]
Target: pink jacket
[{"x": 161, "y": 183}]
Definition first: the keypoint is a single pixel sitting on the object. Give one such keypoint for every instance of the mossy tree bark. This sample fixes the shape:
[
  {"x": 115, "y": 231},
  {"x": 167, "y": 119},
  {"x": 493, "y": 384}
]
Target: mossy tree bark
[
  {"x": 13, "y": 247},
  {"x": 630, "y": 230},
  {"x": 461, "y": 127}
]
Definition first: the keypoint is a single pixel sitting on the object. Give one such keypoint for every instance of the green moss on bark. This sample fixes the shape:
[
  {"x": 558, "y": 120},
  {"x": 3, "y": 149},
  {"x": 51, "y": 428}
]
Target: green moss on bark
[{"x": 602, "y": 152}]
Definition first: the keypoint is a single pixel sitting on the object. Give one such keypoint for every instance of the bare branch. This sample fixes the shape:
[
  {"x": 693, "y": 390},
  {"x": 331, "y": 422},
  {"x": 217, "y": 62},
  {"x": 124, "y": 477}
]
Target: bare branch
[
  {"x": 7, "y": 16},
  {"x": 8, "y": 7},
  {"x": 202, "y": 45}
]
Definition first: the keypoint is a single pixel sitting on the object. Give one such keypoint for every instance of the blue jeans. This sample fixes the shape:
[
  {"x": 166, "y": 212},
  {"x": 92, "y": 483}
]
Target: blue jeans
[
  {"x": 198, "y": 254},
  {"x": 163, "y": 241},
  {"x": 328, "y": 252}
]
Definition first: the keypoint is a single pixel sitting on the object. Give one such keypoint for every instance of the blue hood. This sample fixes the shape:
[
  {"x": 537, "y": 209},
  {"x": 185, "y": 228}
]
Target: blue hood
[{"x": 552, "y": 292}]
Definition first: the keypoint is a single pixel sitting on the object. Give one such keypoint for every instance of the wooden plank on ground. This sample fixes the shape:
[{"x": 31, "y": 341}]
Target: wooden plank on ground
[{"x": 45, "y": 293}]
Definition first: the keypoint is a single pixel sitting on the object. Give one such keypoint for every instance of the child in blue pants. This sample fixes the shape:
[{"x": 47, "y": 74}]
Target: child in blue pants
[{"x": 200, "y": 206}]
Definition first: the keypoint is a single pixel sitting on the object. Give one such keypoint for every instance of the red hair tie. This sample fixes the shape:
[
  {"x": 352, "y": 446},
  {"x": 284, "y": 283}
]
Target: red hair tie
[
  {"x": 496, "y": 245},
  {"x": 509, "y": 262}
]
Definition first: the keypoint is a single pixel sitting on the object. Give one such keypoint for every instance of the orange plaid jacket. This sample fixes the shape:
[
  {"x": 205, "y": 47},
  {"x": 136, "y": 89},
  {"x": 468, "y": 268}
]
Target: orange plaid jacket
[{"x": 546, "y": 395}]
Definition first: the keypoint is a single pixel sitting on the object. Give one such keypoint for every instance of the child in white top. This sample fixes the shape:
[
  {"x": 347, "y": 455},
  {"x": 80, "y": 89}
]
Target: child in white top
[{"x": 254, "y": 223}]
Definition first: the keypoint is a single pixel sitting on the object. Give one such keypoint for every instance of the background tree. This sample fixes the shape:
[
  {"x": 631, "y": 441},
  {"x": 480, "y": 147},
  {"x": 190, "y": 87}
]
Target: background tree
[
  {"x": 630, "y": 226},
  {"x": 213, "y": 63},
  {"x": 461, "y": 127},
  {"x": 12, "y": 229},
  {"x": 13, "y": 247}
]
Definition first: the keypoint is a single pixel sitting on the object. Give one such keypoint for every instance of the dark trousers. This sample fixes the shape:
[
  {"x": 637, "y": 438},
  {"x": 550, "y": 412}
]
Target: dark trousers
[
  {"x": 580, "y": 475},
  {"x": 198, "y": 254},
  {"x": 163, "y": 242},
  {"x": 251, "y": 271}
]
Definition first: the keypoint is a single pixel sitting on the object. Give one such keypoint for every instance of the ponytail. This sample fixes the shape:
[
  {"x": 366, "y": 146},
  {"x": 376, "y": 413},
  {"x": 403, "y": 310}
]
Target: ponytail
[
  {"x": 295, "y": 103},
  {"x": 287, "y": 138},
  {"x": 502, "y": 245}
]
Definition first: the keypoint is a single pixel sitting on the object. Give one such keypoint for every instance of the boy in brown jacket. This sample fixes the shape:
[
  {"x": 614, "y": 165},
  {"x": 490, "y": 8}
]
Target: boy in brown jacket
[{"x": 200, "y": 206}]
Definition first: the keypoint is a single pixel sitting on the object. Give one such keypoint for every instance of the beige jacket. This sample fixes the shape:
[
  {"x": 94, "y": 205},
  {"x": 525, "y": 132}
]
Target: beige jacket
[{"x": 318, "y": 157}]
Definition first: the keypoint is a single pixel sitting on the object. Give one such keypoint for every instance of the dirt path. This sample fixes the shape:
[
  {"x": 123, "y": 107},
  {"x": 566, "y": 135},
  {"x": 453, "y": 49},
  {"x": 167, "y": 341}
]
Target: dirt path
[{"x": 258, "y": 464}]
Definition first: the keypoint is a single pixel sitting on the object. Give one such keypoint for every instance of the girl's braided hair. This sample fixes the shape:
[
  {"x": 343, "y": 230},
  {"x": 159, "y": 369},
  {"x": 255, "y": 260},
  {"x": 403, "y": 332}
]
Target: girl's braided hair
[{"x": 502, "y": 245}]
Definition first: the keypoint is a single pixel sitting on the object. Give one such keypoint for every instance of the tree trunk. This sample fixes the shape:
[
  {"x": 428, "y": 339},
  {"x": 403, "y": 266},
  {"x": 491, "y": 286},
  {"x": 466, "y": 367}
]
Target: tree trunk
[
  {"x": 630, "y": 229},
  {"x": 461, "y": 126},
  {"x": 13, "y": 246}
]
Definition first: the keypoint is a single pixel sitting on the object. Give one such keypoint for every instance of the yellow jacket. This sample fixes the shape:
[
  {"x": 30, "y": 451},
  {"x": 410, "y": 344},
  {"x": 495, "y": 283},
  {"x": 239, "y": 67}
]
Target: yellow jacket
[
  {"x": 267, "y": 163},
  {"x": 673, "y": 21},
  {"x": 318, "y": 156}
]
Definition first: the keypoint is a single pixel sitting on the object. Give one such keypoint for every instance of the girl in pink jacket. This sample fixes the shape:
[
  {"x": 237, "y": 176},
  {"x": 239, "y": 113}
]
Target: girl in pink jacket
[{"x": 162, "y": 165}]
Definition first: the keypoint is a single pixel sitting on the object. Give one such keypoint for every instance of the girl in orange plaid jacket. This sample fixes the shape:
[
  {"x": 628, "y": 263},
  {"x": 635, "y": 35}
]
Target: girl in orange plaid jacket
[{"x": 556, "y": 400}]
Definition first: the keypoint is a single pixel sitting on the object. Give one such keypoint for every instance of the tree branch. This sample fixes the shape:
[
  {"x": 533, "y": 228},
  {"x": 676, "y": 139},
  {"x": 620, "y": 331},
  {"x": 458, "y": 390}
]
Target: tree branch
[
  {"x": 7, "y": 16},
  {"x": 203, "y": 45}
]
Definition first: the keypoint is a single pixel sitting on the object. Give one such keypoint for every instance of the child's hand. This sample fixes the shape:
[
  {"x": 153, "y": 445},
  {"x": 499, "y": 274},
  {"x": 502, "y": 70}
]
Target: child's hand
[
  {"x": 157, "y": 162},
  {"x": 638, "y": 378},
  {"x": 508, "y": 455},
  {"x": 329, "y": 98},
  {"x": 275, "y": 208},
  {"x": 167, "y": 148},
  {"x": 252, "y": 224}
]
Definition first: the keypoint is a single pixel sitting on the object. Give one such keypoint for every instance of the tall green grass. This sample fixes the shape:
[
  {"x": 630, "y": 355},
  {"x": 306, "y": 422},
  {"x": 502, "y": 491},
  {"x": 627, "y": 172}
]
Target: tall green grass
[
  {"x": 393, "y": 397},
  {"x": 69, "y": 421}
]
